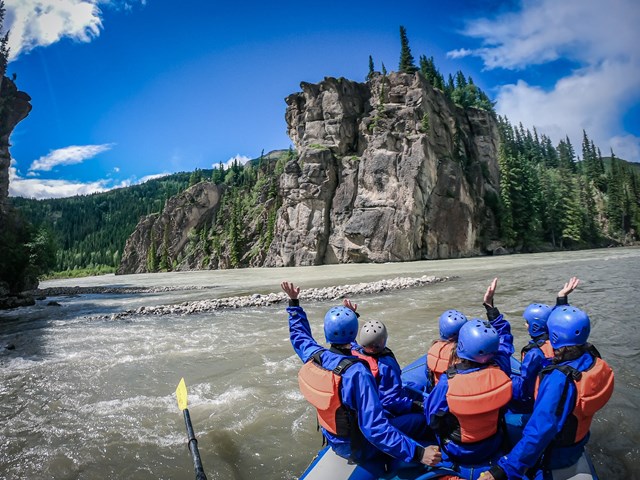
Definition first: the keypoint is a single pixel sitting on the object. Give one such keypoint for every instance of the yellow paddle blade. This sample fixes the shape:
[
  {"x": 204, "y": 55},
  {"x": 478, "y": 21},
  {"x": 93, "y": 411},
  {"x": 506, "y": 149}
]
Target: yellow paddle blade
[{"x": 181, "y": 393}]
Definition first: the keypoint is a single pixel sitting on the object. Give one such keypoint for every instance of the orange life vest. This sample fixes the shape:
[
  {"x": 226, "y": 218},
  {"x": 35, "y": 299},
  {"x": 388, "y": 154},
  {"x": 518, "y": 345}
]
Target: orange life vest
[
  {"x": 321, "y": 387},
  {"x": 372, "y": 360},
  {"x": 594, "y": 388},
  {"x": 475, "y": 399},
  {"x": 542, "y": 344},
  {"x": 438, "y": 358}
]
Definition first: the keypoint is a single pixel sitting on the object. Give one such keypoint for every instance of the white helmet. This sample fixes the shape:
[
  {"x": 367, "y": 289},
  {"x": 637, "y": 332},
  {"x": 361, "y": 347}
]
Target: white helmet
[{"x": 373, "y": 336}]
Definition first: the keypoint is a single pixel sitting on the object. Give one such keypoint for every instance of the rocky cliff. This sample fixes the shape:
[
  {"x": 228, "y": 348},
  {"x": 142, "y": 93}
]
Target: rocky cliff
[
  {"x": 14, "y": 107},
  {"x": 387, "y": 171},
  {"x": 166, "y": 235},
  {"x": 15, "y": 276}
]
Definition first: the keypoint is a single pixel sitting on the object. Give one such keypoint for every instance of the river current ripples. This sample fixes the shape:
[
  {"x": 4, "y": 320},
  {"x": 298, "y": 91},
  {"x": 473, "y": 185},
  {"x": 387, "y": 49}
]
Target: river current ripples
[{"x": 89, "y": 398}]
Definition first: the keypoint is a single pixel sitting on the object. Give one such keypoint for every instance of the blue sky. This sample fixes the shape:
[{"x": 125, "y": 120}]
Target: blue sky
[{"x": 124, "y": 90}]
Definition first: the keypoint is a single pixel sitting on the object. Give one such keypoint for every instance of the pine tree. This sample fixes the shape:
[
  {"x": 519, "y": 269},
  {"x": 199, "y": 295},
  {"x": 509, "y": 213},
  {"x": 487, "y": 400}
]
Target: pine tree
[
  {"x": 507, "y": 231},
  {"x": 406, "y": 59},
  {"x": 4, "y": 47},
  {"x": 371, "y": 68},
  {"x": 152, "y": 259},
  {"x": 566, "y": 156}
]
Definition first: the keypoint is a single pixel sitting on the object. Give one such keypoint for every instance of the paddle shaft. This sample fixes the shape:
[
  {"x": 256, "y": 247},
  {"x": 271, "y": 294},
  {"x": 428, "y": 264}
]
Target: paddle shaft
[{"x": 193, "y": 447}]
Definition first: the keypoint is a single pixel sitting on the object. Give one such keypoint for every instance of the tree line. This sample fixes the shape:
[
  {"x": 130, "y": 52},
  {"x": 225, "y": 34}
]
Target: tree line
[{"x": 550, "y": 195}]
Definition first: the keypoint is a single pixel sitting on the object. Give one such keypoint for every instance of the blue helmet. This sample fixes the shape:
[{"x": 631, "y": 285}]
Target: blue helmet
[
  {"x": 340, "y": 325},
  {"x": 478, "y": 341},
  {"x": 451, "y": 322},
  {"x": 568, "y": 326},
  {"x": 536, "y": 316}
]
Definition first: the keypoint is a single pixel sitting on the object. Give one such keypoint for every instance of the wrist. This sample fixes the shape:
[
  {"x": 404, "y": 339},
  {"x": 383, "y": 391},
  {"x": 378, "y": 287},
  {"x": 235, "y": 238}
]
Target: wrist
[
  {"x": 418, "y": 455},
  {"x": 498, "y": 473},
  {"x": 492, "y": 312},
  {"x": 294, "y": 302},
  {"x": 562, "y": 300}
]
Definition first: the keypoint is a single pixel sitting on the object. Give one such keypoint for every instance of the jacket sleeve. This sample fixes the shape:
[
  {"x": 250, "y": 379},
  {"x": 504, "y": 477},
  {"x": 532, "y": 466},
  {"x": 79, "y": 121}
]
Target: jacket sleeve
[
  {"x": 524, "y": 383},
  {"x": 392, "y": 394},
  {"x": 506, "y": 349},
  {"x": 545, "y": 423},
  {"x": 359, "y": 392},
  {"x": 300, "y": 334},
  {"x": 435, "y": 405}
]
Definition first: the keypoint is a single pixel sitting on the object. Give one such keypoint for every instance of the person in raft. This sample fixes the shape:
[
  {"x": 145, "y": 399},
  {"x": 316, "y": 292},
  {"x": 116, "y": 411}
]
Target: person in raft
[
  {"x": 569, "y": 392},
  {"x": 404, "y": 412},
  {"x": 538, "y": 353},
  {"x": 466, "y": 407},
  {"x": 343, "y": 391},
  {"x": 439, "y": 355}
]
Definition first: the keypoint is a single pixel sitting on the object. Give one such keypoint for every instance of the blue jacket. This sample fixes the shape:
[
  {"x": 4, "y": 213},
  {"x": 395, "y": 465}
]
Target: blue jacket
[
  {"x": 390, "y": 390},
  {"x": 550, "y": 413},
  {"x": 524, "y": 383},
  {"x": 436, "y": 407},
  {"x": 359, "y": 393}
]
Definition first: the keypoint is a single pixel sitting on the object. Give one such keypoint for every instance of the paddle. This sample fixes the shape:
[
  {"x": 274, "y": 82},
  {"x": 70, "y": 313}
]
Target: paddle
[{"x": 181, "y": 393}]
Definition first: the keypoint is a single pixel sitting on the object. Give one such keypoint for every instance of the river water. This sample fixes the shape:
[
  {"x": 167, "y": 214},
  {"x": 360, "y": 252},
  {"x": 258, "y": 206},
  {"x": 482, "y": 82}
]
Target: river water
[{"x": 87, "y": 398}]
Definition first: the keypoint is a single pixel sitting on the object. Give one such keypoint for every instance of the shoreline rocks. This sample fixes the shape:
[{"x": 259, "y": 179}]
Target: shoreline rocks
[
  {"x": 73, "y": 291},
  {"x": 258, "y": 300}
]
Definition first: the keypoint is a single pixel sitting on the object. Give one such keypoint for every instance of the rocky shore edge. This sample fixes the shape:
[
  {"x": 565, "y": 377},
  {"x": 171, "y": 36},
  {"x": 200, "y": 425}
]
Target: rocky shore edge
[
  {"x": 258, "y": 300},
  {"x": 70, "y": 291}
]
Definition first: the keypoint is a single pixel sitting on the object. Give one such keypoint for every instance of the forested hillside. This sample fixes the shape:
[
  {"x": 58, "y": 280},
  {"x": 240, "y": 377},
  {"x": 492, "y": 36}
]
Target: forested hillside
[
  {"x": 90, "y": 230},
  {"x": 549, "y": 197}
]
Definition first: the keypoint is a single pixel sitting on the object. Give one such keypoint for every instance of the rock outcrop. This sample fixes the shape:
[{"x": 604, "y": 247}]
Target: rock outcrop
[
  {"x": 167, "y": 234},
  {"x": 387, "y": 171},
  {"x": 14, "y": 107},
  {"x": 14, "y": 278}
]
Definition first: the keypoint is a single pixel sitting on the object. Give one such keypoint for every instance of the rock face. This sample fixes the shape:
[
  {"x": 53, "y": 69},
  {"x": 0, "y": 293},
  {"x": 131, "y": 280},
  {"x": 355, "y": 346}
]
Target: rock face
[
  {"x": 14, "y": 107},
  {"x": 170, "y": 230},
  {"x": 387, "y": 171}
]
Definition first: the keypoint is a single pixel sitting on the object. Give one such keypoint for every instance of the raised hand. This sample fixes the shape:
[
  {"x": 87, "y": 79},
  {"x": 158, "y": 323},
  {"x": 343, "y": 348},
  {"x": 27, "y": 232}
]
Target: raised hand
[
  {"x": 569, "y": 287},
  {"x": 349, "y": 304},
  {"x": 491, "y": 290},
  {"x": 291, "y": 290}
]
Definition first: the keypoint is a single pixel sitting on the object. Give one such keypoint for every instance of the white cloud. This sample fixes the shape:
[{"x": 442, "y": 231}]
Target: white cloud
[
  {"x": 600, "y": 38},
  {"x": 68, "y": 156},
  {"x": 241, "y": 159},
  {"x": 459, "y": 53},
  {"x": 39, "y": 23},
  {"x": 51, "y": 188},
  {"x": 39, "y": 188},
  {"x": 35, "y": 23}
]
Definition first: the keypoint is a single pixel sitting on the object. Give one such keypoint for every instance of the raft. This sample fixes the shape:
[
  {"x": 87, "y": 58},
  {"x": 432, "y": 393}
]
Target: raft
[{"x": 328, "y": 465}]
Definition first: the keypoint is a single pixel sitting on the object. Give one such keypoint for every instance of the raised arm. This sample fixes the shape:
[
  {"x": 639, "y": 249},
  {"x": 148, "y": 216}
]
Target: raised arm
[
  {"x": 502, "y": 326},
  {"x": 299, "y": 329},
  {"x": 491, "y": 290},
  {"x": 564, "y": 292}
]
